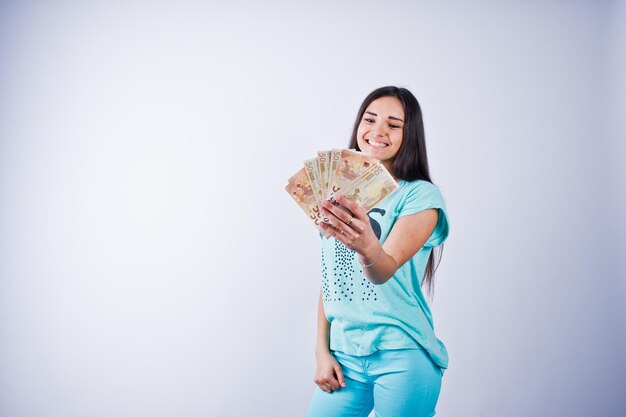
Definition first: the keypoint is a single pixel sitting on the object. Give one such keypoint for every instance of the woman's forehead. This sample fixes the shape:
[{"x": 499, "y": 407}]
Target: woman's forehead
[{"x": 386, "y": 106}]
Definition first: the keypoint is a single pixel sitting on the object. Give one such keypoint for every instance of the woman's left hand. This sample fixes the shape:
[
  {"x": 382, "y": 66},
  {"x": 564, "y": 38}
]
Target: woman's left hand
[{"x": 350, "y": 225}]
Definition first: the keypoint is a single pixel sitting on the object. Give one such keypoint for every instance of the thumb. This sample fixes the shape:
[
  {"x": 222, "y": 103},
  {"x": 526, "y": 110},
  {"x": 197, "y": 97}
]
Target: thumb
[{"x": 340, "y": 378}]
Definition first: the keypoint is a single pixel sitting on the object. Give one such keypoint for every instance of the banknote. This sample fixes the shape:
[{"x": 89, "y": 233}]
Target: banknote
[
  {"x": 347, "y": 172},
  {"x": 369, "y": 189},
  {"x": 300, "y": 189},
  {"x": 335, "y": 156},
  {"x": 350, "y": 165},
  {"x": 323, "y": 165},
  {"x": 313, "y": 173}
]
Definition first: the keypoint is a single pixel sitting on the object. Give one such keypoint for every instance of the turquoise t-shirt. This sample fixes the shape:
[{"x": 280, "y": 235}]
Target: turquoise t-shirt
[{"x": 365, "y": 317}]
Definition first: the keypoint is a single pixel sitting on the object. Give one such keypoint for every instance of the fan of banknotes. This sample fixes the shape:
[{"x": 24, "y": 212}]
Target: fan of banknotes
[{"x": 351, "y": 173}]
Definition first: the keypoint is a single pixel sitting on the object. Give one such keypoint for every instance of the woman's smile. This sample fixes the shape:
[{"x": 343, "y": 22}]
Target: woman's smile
[
  {"x": 380, "y": 131},
  {"x": 376, "y": 144}
]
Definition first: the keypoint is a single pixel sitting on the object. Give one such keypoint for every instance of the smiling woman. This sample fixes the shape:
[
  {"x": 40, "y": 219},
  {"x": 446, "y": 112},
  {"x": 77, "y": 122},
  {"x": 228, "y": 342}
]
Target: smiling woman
[
  {"x": 376, "y": 347},
  {"x": 380, "y": 129}
]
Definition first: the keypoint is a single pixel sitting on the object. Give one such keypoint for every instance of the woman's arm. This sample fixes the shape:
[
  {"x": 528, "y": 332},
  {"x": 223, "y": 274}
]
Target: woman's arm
[
  {"x": 406, "y": 238},
  {"x": 379, "y": 262},
  {"x": 328, "y": 374},
  {"x": 323, "y": 330}
]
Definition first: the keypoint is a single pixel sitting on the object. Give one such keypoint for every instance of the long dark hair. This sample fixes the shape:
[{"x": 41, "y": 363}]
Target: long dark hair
[{"x": 411, "y": 161}]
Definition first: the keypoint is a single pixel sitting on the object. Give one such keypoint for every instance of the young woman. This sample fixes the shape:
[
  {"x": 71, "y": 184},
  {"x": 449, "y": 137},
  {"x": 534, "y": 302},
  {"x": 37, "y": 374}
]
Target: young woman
[{"x": 376, "y": 348}]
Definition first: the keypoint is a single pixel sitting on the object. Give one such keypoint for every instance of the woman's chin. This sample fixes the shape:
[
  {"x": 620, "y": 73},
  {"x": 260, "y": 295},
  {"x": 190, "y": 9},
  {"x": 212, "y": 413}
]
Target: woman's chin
[{"x": 376, "y": 152}]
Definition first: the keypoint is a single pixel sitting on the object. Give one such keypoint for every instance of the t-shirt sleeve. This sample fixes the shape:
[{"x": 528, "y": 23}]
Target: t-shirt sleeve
[{"x": 427, "y": 196}]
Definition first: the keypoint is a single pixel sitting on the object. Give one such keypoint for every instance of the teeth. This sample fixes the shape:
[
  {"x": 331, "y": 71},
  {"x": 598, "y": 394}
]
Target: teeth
[{"x": 377, "y": 144}]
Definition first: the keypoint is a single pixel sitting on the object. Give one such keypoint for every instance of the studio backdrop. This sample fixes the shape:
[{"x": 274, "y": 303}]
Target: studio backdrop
[{"x": 151, "y": 263}]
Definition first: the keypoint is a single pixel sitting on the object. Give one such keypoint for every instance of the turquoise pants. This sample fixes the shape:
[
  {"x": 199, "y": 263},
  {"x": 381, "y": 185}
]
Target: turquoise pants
[{"x": 395, "y": 383}]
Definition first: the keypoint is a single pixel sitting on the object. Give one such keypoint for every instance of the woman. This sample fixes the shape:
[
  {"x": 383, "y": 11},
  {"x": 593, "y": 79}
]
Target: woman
[{"x": 376, "y": 348}]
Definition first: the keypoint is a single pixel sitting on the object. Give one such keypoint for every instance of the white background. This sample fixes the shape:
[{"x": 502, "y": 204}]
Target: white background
[{"x": 151, "y": 263}]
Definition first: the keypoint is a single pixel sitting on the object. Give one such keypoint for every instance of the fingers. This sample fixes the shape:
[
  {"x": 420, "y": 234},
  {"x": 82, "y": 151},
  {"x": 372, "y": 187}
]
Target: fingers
[
  {"x": 338, "y": 233},
  {"x": 340, "y": 379},
  {"x": 348, "y": 211},
  {"x": 351, "y": 205},
  {"x": 335, "y": 381},
  {"x": 341, "y": 219},
  {"x": 324, "y": 387},
  {"x": 328, "y": 384},
  {"x": 329, "y": 377},
  {"x": 336, "y": 211}
]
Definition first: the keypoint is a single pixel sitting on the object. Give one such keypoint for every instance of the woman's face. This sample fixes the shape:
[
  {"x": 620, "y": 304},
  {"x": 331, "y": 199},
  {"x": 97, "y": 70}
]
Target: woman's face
[{"x": 380, "y": 129}]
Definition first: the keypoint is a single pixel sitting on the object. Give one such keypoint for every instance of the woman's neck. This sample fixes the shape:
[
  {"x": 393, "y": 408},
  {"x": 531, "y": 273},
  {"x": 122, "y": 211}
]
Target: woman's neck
[{"x": 388, "y": 164}]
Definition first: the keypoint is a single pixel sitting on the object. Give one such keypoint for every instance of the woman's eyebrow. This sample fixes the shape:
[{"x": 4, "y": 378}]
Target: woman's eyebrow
[{"x": 391, "y": 117}]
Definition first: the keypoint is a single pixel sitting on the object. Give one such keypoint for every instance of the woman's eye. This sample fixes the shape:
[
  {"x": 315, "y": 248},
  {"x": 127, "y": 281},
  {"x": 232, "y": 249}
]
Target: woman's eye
[
  {"x": 368, "y": 120},
  {"x": 394, "y": 126}
]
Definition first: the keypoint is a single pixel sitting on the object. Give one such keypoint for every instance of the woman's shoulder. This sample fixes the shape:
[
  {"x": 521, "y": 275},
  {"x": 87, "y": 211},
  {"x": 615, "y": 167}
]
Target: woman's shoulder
[
  {"x": 419, "y": 186},
  {"x": 421, "y": 192}
]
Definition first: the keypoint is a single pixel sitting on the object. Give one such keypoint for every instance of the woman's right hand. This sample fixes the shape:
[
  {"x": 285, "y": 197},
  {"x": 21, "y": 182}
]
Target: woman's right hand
[{"x": 328, "y": 374}]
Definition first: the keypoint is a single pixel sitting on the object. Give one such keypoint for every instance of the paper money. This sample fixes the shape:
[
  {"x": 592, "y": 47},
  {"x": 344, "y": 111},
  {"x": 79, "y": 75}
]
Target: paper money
[
  {"x": 350, "y": 165},
  {"x": 335, "y": 156},
  {"x": 347, "y": 172},
  {"x": 300, "y": 189},
  {"x": 313, "y": 173},
  {"x": 323, "y": 165},
  {"x": 369, "y": 189}
]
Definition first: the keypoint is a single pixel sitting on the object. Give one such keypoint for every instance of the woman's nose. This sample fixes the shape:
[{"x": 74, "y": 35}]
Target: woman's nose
[{"x": 378, "y": 130}]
